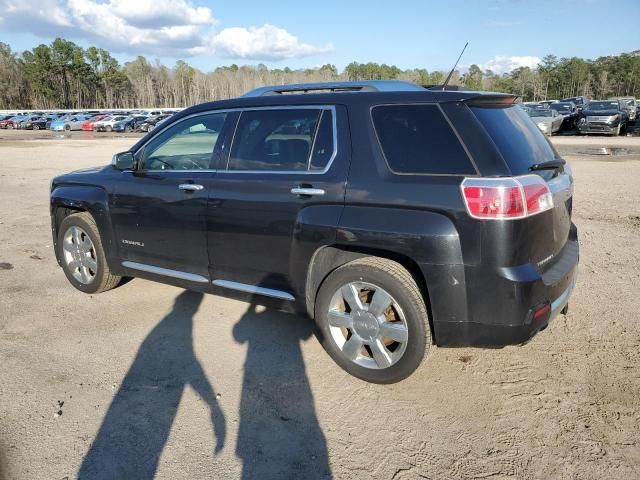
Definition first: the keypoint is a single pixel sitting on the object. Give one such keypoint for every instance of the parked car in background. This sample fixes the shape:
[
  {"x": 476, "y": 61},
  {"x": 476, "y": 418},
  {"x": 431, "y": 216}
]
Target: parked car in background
[
  {"x": 68, "y": 123},
  {"x": 38, "y": 123},
  {"x": 129, "y": 123},
  {"x": 11, "y": 122},
  {"x": 631, "y": 104},
  {"x": 547, "y": 103},
  {"x": 27, "y": 119},
  {"x": 152, "y": 122},
  {"x": 89, "y": 124},
  {"x": 549, "y": 121},
  {"x": 570, "y": 113},
  {"x": 52, "y": 119},
  {"x": 604, "y": 116},
  {"x": 106, "y": 124},
  {"x": 580, "y": 101}
]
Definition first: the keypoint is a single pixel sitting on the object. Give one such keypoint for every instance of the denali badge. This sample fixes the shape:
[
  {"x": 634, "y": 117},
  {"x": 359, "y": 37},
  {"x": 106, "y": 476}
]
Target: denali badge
[
  {"x": 131, "y": 242},
  {"x": 544, "y": 260}
]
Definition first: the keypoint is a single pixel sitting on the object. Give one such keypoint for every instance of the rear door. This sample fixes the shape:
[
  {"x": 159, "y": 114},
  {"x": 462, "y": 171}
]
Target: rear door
[{"x": 286, "y": 164}]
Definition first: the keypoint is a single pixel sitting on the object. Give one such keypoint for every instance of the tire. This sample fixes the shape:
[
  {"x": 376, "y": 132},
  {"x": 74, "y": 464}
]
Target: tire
[
  {"x": 127, "y": 129},
  {"x": 67, "y": 128},
  {"x": 36, "y": 127},
  {"x": 100, "y": 279},
  {"x": 108, "y": 128},
  {"x": 349, "y": 336}
]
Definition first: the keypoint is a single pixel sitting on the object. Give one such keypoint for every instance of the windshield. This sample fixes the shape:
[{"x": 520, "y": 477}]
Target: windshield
[
  {"x": 603, "y": 106},
  {"x": 561, "y": 106},
  {"x": 540, "y": 113}
]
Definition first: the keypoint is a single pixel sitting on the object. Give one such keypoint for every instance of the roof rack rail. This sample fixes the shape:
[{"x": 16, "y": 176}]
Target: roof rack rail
[{"x": 360, "y": 86}]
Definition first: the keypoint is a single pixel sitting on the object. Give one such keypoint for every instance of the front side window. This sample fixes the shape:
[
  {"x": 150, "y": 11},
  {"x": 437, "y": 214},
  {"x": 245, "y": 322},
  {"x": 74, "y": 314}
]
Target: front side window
[
  {"x": 282, "y": 140},
  {"x": 187, "y": 145}
]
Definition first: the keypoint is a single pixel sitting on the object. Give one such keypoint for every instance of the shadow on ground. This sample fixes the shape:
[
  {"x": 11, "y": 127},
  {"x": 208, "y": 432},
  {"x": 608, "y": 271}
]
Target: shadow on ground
[{"x": 279, "y": 435}]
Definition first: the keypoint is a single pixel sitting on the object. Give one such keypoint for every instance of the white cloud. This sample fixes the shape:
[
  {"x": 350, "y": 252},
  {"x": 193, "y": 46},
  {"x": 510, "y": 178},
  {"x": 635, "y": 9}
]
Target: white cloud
[
  {"x": 502, "y": 64},
  {"x": 263, "y": 43},
  {"x": 158, "y": 27}
]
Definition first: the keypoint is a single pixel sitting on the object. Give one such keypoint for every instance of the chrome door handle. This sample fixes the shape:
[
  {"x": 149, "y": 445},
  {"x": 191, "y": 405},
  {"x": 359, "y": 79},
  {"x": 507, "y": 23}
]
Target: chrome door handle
[
  {"x": 307, "y": 191},
  {"x": 190, "y": 187}
]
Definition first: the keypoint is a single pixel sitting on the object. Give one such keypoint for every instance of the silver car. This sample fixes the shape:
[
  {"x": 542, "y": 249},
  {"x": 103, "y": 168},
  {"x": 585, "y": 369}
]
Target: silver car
[
  {"x": 631, "y": 105},
  {"x": 549, "y": 121}
]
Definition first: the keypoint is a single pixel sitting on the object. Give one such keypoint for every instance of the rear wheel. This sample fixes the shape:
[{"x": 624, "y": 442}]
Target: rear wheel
[
  {"x": 372, "y": 320},
  {"x": 36, "y": 127},
  {"x": 82, "y": 256}
]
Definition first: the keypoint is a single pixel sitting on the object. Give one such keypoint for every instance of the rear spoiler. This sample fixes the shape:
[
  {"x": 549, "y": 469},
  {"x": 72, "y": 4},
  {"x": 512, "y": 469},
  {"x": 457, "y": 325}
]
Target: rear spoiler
[{"x": 490, "y": 100}]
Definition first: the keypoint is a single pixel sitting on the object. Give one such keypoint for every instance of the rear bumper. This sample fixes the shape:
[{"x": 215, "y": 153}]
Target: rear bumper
[{"x": 501, "y": 308}]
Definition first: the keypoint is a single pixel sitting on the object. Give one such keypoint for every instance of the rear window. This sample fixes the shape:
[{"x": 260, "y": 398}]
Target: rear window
[
  {"x": 519, "y": 140},
  {"x": 417, "y": 139}
]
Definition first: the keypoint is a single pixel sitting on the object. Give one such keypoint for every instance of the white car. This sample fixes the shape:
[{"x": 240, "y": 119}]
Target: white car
[{"x": 106, "y": 124}]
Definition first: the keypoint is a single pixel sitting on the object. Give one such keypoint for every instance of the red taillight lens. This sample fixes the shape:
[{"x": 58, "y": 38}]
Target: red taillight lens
[
  {"x": 494, "y": 202},
  {"x": 506, "y": 198}
]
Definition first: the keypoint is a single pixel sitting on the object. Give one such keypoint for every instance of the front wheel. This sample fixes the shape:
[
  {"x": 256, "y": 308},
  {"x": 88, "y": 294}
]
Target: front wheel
[
  {"x": 372, "y": 320},
  {"x": 82, "y": 256},
  {"x": 36, "y": 127},
  {"x": 108, "y": 128}
]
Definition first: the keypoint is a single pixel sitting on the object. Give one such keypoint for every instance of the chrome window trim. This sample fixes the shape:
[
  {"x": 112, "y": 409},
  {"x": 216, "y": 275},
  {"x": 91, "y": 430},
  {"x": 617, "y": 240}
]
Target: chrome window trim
[
  {"x": 191, "y": 277},
  {"x": 244, "y": 287}
]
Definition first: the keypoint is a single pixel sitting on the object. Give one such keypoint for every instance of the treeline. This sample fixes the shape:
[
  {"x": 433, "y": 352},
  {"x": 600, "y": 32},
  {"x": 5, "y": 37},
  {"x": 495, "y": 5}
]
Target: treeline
[{"x": 64, "y": 75}]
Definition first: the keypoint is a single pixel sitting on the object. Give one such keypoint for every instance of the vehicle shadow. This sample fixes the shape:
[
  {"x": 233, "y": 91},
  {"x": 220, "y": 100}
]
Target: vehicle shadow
[
  {"x": 137, "y": 424},
  {"x": 279, "y": 435}
]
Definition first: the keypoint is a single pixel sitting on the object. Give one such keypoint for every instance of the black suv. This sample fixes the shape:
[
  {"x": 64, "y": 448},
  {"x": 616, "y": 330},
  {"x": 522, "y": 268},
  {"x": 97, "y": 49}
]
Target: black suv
[
  {"x": 604, "y": 116},
  {"x": 396, "y": 216}
]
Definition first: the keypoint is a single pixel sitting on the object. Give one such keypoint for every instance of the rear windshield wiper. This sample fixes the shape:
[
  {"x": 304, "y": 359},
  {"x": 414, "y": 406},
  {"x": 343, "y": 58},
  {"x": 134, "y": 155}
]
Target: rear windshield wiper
[{"x": 548, "y": 165}]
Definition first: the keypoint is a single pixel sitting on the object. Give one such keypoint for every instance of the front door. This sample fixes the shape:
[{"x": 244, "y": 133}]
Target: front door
[
  {"x": 159, "y": 209},
  {"x": 284, "y": 166}
]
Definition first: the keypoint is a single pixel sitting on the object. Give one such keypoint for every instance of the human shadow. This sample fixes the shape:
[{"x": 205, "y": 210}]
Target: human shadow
[
  {"x": 279, "y": 436},
  {"x": 137, "y": 424}
]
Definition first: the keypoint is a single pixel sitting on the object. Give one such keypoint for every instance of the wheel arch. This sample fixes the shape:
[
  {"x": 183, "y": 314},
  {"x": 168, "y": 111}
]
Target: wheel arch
[
  {"x": 328, "y": 258},
  {"x": 68, "y": 200}
]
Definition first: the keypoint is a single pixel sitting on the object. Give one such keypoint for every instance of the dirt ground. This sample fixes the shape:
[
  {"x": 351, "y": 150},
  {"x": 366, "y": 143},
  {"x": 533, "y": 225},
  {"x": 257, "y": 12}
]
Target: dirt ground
[{"x": 190, "y": 387}]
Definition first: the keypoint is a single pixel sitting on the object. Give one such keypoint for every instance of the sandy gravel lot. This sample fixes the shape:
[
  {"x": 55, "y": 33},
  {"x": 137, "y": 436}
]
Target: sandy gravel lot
[{"x": 205, "y": 387}]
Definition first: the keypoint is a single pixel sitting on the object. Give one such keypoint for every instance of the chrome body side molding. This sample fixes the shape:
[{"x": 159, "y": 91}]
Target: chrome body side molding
[
  {"x": 243, "y": 287},
  {"x": 191, "y": 277}
]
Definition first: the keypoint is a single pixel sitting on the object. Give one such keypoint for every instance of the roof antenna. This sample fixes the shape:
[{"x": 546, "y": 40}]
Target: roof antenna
[{"x": 446, "y": 82}]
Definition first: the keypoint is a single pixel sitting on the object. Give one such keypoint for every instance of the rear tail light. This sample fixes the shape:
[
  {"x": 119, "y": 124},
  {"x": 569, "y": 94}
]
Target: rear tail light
[{"x": 506, "y": 198}]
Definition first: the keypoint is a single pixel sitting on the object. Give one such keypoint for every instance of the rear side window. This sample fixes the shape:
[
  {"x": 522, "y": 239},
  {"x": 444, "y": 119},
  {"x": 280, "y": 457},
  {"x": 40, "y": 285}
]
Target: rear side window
[
  {"x": 417, "y": 139},
  {"x": 519, "y": 140},
  {"x": 284, "y": 140}
]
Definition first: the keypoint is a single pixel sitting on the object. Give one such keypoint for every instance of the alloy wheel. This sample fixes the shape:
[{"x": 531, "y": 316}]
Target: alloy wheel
[
  {"x": 367, "y": 325},
  {"x": 79, "y": 255}
]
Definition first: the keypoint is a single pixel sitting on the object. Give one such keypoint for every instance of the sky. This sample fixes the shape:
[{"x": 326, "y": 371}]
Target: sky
[{"x": 502, "y": 34}]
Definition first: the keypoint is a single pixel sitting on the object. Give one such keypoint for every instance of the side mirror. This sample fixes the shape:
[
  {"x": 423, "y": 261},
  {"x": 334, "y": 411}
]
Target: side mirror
[{"x": 123, "y": 161}]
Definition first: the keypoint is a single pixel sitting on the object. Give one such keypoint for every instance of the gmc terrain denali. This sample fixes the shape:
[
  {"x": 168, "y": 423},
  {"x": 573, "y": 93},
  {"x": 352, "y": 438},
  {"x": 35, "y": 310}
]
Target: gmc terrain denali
[{"x": 398, "y": 217}]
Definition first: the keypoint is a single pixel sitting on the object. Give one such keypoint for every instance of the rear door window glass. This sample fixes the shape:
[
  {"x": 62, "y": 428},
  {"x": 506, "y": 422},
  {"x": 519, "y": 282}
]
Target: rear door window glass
[
  {"x": 279, "y": 140},
  {"x": 418, "y": 139}
]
